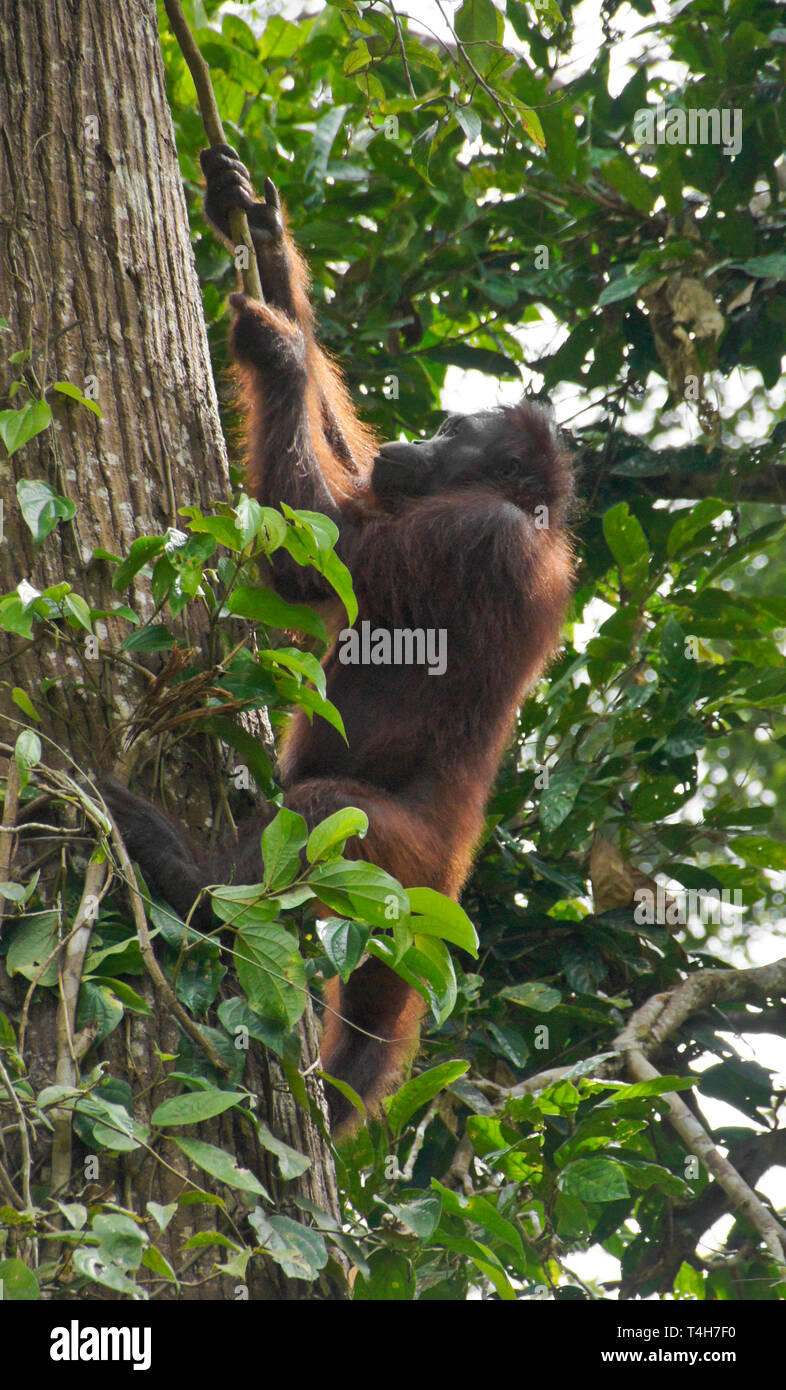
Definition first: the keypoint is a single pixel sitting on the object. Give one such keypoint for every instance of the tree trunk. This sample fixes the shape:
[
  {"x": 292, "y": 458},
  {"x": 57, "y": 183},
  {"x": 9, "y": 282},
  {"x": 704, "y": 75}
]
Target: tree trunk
[{"x": 99, "y": 287}]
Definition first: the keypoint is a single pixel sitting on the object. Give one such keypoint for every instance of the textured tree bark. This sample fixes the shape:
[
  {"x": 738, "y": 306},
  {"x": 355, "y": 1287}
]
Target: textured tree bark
[{"x": 98, "y": 284}]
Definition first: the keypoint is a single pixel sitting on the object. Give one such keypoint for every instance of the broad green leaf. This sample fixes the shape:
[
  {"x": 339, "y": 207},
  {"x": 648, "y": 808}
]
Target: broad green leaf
[
  {"x": 534, "y": 995},
  {"x": 390, "y": 1278},
  {"x": 299, "y": 1250},
  {"x": 262, "y": 605},
  {"x": 331, "y": 834},
  {"x": 18, "y": 426},
  {"x": 594, "y": 1180},
  {"x": 162, "y": 1215},
  {"x": 195, "y": 1106},
  {"x": 440, "y": 916},
  {"x": 222, "y": 1165},
  {"x": 67, "y": 389},
  {"x": 343, "y": 943},
  {"x": 271, "y": 971},
  {"x": 141, "y": 551},
  {"x": 423, "y": 1088},
  {"x": 421, "y": 1216},
  {"x": 282, "y": 841},
  {"x": 628, "y": 544},
  {"x": 32, "y": 943},
  {"x": 42, "y": 508},
  {"x": 19, "y": 1284},
  {"x": 558, "y": 798},
  {"x": 485, "y": 1260},
  {"x": 691, "y": 521},
  {"x": 357, "y": 889},
  {"x": 291, "y": 1162},
  {"x": 27, "y": 755},
  {"x": 761, "y": 851}
]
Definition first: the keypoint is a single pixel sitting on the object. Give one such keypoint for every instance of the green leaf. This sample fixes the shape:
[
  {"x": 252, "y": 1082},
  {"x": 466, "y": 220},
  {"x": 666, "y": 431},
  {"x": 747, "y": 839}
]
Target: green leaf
[
  {"x": 195, "y": 1106},
  {"x": 16, "y": 614},
  {"x": 75, "y": 606},
  {"x": 123, "y": 991},
  {"x": 689, "y": 1283},
  {"x": 291, "y": 1163},
  {"x": 271, "y": 971},
  {"x": 623, "y": 174},
  {"x": 390, "y": 1278},
  {"x": 329, "y": 837},
  {"x": 153, "y": 1260},
  {"x": 310, "y": 540},
  {"x": 66, "y": 389},
  {"x": 222, "y": 1165},
  {"x": 420, "y": 1216},
  {"x": 31, "y": 944},
  {"x": 478, "y": 22},
  {"x": 300, "y": 1251},
  {"x": 343, "y": 943},
  {"x": 90, "y": 1263},
  {"x": 468, "y": 120},
  {"x": 628, "y": 544},
  {"x": 235, "y": 1015},
  {"x": 427, "y": 966},
  {"x": 42, "y": 508},
  {"x": 357, "y": 59},
  {"x": 760, "y": 851},
  {"x": 22, "y": 700},
  {"x": 594, "y": 1180},
  {"x": 357, "y": 889},
  {"x": 535, "y": 995},
  {"x": 413, "y": 1094},
  {"x": 346, "y": 1091},
  {"x": 105, "y": 1124},
  {"x": 485, "y": 1260},
  {"x": 559, "y": 797},
  {"x": 18, "y": 426},
  {"x": 303, "y": 664},
  {"x": 27, "y": 754},
  {"x": 657, "y": 797},
  {"x": 691, "y": 521},
  {"x": 765, "y": 267},
  {"x": 481, "y": 1210},
  {"x": 122, "y": 1240},
  {"x": 262, "y": 605},
  {"x": 100, "y": 1008},
  {"x": 162, "y": 1215},
  {"x": 623, "y": 286},
  {"x": 18, "y": 1283},
  {"x": 442, "y": 917},
  {"x": 263, "y": 522},
  {"x": 141, "y": 551},
  {"x": 282, "y": 841}
]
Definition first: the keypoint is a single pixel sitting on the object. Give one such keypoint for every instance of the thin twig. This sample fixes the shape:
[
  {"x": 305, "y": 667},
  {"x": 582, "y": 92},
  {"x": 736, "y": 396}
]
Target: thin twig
[
  {"x": 27, "y": 1162},
  {"x": 67, "y": 1070},
  {"x": 9, "y": 823},
  {"x": 418, "y": 1141},
  {"x": 214, "y": 130},
  {"x": 154, "y": 970},
  {"x": 696, "y": 1138}
]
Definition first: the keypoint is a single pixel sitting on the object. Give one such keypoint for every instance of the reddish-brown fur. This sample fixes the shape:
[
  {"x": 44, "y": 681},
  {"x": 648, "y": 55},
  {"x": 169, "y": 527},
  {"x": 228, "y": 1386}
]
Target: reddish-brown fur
[{"x": 422, "y": 750}]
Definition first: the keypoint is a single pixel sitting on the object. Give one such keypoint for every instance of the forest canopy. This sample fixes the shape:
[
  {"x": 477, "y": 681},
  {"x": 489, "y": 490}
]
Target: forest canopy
[{"x": 585, "y": 202}]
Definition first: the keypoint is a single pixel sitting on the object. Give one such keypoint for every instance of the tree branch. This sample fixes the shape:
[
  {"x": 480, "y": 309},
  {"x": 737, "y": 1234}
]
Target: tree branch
[{"x": 214, "y": 130}]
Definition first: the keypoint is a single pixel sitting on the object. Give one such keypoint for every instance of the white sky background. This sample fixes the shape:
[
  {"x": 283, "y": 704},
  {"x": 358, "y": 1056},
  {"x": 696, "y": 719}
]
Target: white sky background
[{"x": 470, "y": 390}]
